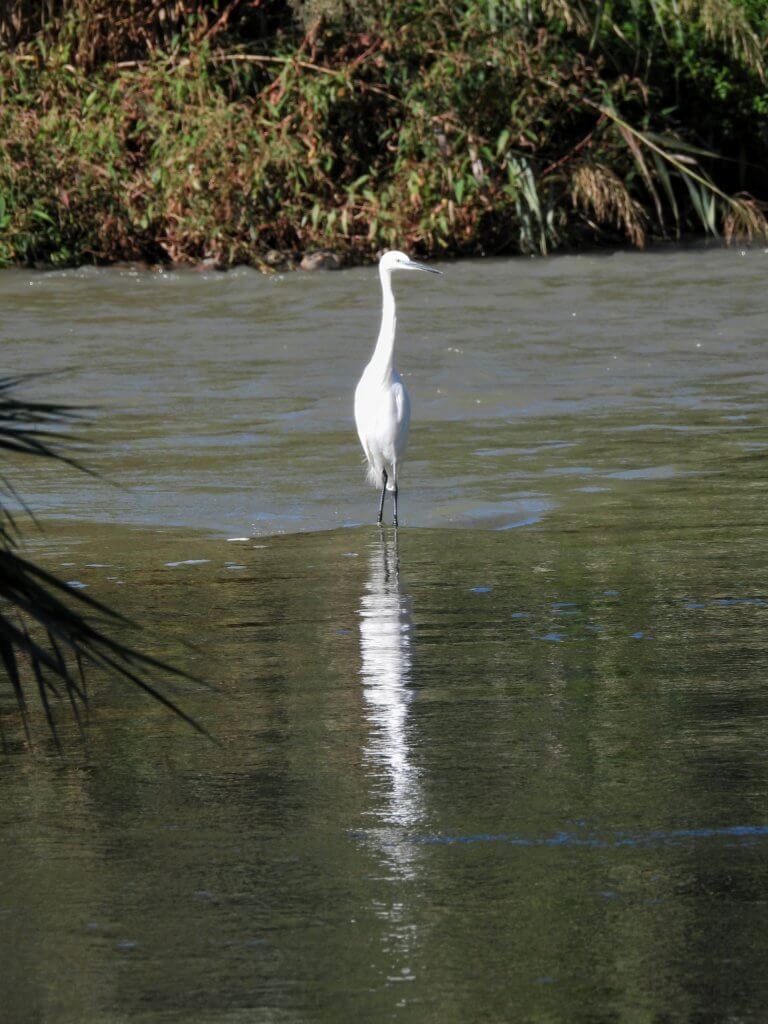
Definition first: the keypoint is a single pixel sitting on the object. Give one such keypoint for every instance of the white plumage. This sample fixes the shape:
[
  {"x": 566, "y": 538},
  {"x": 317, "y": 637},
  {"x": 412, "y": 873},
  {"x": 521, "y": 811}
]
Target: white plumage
[{"x": 382, "y": 407}]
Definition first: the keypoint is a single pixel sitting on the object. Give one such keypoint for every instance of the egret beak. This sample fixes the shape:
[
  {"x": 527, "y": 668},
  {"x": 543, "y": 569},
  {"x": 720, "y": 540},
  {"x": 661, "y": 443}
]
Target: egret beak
[{"x": 413, "y": 265}]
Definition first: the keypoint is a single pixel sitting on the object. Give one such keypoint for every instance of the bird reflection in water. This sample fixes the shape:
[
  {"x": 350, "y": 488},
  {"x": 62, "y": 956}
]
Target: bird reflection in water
[{"x": 385, "y": 653}]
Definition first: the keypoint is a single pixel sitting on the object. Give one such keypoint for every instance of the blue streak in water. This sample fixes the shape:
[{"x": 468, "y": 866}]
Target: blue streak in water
[
  {"x": 571, "y": 839},
  {"x": 530, "y": 521}
]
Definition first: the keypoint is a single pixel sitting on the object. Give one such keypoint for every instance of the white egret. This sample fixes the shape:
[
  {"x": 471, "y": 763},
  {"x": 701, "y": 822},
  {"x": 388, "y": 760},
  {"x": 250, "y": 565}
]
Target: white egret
[{"x": 382, "y": 407}]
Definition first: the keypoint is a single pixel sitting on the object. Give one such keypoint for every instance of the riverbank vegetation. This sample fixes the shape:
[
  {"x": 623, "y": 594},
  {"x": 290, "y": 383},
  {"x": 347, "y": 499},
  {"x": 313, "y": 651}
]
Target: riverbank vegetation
[{"x": 254, "y": 131}]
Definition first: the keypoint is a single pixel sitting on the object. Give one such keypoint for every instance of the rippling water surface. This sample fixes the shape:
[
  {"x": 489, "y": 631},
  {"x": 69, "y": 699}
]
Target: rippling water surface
[{"x": 510, "y": 764}]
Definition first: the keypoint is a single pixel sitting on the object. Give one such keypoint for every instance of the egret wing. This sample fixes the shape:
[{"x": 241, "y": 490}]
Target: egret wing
[{"x": 402, "y": 415}]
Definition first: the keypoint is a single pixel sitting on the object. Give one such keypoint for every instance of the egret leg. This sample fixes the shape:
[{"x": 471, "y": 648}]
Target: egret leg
[
  {"x": 383, "y": 495},
  {"x": 394, "y": 517}
]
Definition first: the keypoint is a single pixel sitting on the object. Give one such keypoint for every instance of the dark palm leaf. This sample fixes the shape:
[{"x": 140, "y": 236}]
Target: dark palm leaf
[
  {"x": 26, "y": 427},
  {"x": 44, "y": 623}
]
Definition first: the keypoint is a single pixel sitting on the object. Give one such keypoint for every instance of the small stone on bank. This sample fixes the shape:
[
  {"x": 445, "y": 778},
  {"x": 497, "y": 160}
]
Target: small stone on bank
[{"x": 323, "y": 260}]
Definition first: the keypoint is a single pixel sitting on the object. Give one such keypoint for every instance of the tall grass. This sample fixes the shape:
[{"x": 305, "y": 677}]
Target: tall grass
[{"x": 162, "y": 130}]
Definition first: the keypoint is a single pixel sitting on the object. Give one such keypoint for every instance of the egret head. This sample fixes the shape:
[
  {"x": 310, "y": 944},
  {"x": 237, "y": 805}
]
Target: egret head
[{"x": 396, "y": 260}]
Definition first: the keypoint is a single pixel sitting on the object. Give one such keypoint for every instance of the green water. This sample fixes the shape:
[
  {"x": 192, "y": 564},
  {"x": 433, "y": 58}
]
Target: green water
[{"x": 509, "y": 765}]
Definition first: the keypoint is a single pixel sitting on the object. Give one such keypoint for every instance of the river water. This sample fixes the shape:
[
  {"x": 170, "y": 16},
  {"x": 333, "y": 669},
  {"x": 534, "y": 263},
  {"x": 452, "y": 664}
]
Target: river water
[{"x": 510, "y": 764}]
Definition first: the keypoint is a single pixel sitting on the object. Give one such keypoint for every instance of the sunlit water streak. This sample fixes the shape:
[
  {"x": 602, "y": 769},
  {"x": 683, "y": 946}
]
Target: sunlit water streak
[{"x": 385, "y": 669}]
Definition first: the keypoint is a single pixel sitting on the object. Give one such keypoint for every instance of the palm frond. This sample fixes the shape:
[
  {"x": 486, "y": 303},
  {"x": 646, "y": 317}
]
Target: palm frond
[
  {"x": 55, "y": 630},
  {"x": 49, "y": 632},
  {"x": 34, "y": 427}
]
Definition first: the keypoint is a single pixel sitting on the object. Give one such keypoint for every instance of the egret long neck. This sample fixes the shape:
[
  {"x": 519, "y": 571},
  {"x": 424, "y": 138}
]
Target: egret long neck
[{"x": 383, "y": 353}]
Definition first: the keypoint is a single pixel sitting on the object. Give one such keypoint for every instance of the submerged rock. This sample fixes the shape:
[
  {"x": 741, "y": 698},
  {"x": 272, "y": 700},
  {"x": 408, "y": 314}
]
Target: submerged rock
[{"x": 323, "y": 260}]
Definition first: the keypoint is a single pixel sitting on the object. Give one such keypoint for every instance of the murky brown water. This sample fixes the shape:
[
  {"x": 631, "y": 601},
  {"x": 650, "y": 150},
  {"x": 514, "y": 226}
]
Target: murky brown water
[{"x": 511, "y": 765}]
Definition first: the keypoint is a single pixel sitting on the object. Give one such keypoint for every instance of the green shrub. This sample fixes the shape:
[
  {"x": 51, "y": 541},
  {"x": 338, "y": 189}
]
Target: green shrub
[{"x": 138, "y": 130}]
